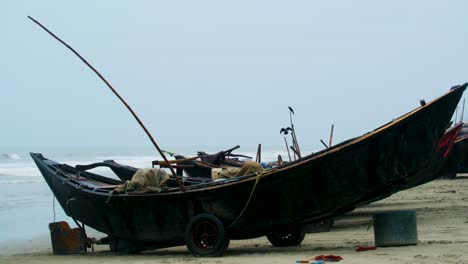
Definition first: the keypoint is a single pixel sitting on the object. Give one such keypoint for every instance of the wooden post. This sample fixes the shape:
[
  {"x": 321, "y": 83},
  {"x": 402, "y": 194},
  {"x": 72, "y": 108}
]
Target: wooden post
[{"x": 259, "y": 154}]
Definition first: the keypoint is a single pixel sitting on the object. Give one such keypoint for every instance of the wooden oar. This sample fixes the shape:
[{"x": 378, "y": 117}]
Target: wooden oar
[
  {"x": 295, "y": 151},
  {"x": 118, "y": 96},
  {"x": 324, "y": 144}
]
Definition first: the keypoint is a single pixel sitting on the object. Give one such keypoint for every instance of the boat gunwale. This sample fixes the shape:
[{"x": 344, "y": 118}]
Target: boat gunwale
[
  {"x": 253, "y": 177},
  {"x": 351, "y": 142}
]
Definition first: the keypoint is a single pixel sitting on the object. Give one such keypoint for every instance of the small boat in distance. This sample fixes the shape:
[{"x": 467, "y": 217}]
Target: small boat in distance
[
  {"x": 206, "y": 215},
  {"x": 457, "y": 159}
]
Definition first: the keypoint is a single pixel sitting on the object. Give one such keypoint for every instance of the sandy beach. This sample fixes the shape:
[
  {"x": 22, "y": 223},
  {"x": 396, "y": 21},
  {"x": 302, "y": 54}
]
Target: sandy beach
[{"x": 442, "y": 217}]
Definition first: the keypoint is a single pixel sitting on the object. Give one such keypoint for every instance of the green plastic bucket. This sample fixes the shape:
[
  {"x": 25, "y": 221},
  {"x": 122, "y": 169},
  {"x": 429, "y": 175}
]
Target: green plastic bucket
[{"x": 395, "y": 228}]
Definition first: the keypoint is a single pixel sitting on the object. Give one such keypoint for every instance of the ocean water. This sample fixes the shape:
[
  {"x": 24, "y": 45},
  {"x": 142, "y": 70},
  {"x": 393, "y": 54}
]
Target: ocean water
[{"x": 27, "y": 203}]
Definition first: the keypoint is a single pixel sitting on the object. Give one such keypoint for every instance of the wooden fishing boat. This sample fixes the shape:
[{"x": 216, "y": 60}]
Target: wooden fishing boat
[
  {"x": 457, "y": 160},
  {"x": 205, "y": 215},
  {"x": 425, "y": 175}
]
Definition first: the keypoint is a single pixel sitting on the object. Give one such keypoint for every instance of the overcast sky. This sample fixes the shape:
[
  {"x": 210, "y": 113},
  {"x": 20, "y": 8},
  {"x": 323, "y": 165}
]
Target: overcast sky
[{"x": 222, "y": 73}]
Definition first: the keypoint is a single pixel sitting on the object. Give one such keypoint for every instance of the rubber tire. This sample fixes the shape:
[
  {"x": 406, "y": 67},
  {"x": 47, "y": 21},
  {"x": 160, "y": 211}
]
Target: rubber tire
[
  {"x": 219, "y": 245},
  {"x": 286, "y": 238}
]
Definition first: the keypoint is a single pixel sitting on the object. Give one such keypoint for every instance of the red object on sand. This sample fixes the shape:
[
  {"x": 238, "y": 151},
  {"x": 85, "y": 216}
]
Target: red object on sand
[
  {"x": 328, "y": 258},
  {"x": 365, "y": 248}
]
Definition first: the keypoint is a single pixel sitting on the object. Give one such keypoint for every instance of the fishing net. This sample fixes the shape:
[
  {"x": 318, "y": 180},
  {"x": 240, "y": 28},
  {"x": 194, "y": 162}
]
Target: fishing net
[
  {"x": 145, "y": 180},
  {"x": 249, "y": 167}
]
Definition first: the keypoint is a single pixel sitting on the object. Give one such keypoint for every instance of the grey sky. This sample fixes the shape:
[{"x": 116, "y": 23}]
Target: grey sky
[{"x": 222, "y": 73}]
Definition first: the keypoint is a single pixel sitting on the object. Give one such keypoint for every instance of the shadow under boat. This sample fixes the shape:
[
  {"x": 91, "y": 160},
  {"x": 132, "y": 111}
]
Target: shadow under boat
[{"x": 275, "y": 203}]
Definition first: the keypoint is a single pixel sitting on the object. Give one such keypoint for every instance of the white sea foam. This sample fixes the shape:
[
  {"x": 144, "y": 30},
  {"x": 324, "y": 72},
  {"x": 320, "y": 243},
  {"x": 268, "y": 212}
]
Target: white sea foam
[
  {"x": 19, "y": 169},
  {"x": 21, "y": 181},
  {"x": 10, "y": 156},
  {"x": 135, "y": 161}
]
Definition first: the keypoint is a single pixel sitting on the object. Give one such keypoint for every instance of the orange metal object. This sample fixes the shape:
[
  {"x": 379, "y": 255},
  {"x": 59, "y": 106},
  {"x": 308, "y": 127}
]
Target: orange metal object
[{"x": 66, "y": 240}]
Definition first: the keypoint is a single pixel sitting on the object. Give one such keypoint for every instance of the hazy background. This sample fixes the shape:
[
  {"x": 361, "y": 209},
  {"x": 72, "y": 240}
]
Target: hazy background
[{"x": 222, "y": 73}]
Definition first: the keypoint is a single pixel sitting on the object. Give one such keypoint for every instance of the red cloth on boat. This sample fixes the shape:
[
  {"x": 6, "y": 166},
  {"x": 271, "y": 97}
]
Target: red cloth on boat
[{"x": 328, "y": 258}]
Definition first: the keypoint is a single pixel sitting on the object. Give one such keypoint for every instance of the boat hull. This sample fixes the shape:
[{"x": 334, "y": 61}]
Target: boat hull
[{"x": 315, "y": 187}]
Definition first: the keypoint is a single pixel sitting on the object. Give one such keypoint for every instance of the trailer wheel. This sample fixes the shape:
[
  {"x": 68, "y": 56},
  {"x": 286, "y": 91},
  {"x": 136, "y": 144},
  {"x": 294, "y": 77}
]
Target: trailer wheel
[
  {"x": 286, "y": 238},
  {"x": 205, "y": 236}
]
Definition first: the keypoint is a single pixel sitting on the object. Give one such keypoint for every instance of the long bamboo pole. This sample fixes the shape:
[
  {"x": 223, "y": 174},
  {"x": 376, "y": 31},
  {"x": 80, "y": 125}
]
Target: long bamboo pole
[
  {"x": 293, "y": 134},
  {"x": 118, "y": 96},
  {"x": 287, "y": 148},
  {"x": 331, "y": 136}
]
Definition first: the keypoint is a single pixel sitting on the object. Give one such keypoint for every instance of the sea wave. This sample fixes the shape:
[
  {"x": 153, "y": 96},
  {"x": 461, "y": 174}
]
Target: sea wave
[
  {"x": 20, "y": 181},
  {"x": 23, "y": 170},
  {"x": 9, "y": 156},
  {"x": 136, "y": 161}
]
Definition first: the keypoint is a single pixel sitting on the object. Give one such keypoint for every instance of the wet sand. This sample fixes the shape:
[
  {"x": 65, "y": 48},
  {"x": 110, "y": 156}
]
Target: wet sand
[{"x": 442, "y": 217}]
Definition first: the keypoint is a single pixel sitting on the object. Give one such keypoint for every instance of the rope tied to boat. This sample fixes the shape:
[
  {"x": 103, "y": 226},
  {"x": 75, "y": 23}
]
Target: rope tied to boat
[
  {"x": 257, "y": 179},
  {"x": 60, "y": 172},
  {"x": 53, "y": 194},
  {"x": 57, "y": 173},
  {"x": 89, "y": 240},
  {"x": 110, "y": 195}
]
